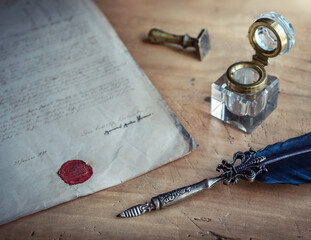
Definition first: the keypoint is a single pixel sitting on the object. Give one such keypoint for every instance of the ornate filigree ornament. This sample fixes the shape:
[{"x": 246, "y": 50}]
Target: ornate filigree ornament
[{"x": 248, "y": 169}]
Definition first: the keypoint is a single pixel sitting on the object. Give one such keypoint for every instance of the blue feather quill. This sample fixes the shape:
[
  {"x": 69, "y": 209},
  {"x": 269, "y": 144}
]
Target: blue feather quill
[
  {"x": 283, "y": 162},
  {"x": 287, "y": 162}
]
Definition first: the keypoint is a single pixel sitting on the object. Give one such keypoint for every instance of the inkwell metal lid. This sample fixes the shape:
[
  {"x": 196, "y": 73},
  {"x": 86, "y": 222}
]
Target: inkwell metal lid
[{"x": 270, "y": 35}]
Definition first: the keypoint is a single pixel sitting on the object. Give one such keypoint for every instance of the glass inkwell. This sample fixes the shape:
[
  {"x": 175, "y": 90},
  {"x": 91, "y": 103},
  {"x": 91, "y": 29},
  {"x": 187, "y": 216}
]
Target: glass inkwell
[{"x": 245, "y": 95}]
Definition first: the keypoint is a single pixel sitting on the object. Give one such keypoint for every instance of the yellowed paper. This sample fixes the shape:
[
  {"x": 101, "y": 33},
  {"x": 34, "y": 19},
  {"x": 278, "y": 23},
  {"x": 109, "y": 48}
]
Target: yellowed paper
[{"x": 69, "y": 89}]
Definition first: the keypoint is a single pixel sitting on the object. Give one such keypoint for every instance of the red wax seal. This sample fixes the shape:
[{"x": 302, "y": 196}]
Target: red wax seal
[{"x": 75, "y": 171}]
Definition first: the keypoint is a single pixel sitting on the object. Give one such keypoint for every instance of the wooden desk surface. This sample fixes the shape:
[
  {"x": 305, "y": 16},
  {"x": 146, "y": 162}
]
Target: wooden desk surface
[{"x": 243, "y": 211}]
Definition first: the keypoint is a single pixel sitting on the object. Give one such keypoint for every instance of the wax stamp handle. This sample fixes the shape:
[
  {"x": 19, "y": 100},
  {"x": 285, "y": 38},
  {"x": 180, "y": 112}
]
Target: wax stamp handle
[{"x": 159, "y": 36}]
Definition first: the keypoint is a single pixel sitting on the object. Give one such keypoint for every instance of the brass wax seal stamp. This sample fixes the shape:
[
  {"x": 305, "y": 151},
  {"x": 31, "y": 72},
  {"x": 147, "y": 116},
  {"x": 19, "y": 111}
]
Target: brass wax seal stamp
[{"x": 201, "y": 43}]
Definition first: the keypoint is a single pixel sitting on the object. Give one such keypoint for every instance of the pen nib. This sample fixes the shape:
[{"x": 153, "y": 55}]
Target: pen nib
[
  {"x": 121, "y": 215},
  {"x": 137, "y": 210}
]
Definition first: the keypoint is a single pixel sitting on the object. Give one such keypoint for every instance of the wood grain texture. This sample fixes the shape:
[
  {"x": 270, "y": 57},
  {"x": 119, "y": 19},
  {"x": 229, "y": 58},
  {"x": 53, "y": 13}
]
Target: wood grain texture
[{"x": 244, "y": 211}]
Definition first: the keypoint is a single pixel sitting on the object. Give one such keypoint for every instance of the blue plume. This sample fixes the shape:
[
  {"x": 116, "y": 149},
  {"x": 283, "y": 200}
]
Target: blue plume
[{"x": 287, "y": 162}]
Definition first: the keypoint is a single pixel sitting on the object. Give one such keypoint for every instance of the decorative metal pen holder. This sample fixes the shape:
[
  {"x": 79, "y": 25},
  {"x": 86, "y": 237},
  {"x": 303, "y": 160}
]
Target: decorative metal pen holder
[{"x": 245, "y": 95}]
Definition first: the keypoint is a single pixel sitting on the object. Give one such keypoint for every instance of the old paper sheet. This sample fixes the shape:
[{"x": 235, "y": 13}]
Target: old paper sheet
[{"x": 69, "y": 89}]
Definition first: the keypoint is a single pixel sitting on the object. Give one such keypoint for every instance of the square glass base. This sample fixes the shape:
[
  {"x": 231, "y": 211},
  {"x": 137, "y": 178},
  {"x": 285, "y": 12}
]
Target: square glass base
[{"x": 244, "y": 111}]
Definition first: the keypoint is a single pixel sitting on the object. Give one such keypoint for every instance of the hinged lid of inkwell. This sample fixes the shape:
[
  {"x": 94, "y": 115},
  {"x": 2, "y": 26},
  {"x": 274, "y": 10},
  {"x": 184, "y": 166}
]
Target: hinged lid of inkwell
[{"x": 270, "y": 35}]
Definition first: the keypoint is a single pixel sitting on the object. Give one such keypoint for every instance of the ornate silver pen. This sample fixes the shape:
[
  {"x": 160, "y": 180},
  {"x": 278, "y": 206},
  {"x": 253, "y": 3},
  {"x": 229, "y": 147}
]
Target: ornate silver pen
[
  {"x": 248, "y": 169},
  {"x": 287, "y": 162},
  {"x": 169, "y": 198}
]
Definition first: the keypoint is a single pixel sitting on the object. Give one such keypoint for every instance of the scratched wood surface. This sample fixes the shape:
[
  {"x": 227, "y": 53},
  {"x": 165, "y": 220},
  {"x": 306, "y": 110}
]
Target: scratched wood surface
[{"x": 243, "y": 211}]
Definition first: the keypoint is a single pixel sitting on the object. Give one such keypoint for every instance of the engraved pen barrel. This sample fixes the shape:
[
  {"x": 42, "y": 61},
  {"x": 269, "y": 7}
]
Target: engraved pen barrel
[
  {"x": 159, "y": 36},
  {"x": 169, "y": 198}
]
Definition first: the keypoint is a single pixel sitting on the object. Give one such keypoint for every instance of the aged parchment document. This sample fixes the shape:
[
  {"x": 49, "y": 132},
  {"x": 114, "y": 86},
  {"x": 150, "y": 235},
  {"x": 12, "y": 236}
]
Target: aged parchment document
[{"x": 69, "y": 89}]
